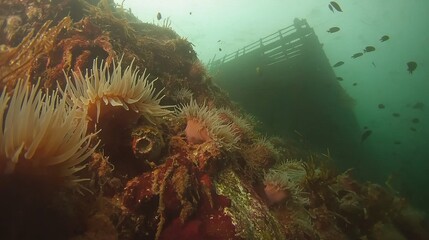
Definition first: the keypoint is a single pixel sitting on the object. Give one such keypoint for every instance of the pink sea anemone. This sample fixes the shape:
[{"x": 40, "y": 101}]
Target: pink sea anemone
[
  {"x": 285, "y": 182},
  {"x": 205, "y": 125}
]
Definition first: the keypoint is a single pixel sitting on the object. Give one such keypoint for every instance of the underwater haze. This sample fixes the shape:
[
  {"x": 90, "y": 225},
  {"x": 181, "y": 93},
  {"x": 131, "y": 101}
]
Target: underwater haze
[{"x": 391, "y": 102}]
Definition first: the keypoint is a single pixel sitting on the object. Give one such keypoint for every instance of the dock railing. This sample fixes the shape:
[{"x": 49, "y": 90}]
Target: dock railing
[{"x": 282, "y": 45}]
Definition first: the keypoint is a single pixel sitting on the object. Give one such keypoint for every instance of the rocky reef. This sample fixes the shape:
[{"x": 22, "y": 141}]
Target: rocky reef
[{"x": 112, "y": 129}]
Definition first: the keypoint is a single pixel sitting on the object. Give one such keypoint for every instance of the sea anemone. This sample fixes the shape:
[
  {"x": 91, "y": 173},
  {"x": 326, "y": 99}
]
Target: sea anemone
[
  {"x": 116, "y": 88},
  {"x": 183, "y": 95},
  {"x": 41, "y": 135},
  {"x": 260, "y": 155},
  {"x": 286, "y": 179},
  {"x": 242, "y": 126},
  {"x": 205, "y": 125}
]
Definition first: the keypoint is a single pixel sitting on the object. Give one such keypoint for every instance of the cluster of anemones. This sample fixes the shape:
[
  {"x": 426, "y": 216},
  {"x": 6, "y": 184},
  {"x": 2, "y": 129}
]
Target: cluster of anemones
[
  {"x": 47, "y": 134},
  {"x": 205, "y": 125},
  {"x": 285, "y": 182}
]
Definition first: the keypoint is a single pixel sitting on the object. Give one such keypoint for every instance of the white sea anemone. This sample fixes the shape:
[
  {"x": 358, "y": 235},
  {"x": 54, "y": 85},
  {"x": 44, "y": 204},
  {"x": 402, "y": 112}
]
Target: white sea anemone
[
  {"x": 118, "y": 88},
  {"x": 204, "y": 124},
  {"x": 242, "y": 126},
  {"x": 183, "y": 95},
  {"x": 289, "y": 176},
  {"x": 40, "y": 134},
  {"x": 287, "y": 173}
]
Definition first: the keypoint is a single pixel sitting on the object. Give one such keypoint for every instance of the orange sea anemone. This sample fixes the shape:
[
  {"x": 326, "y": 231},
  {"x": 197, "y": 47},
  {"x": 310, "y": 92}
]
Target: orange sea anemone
[
  {"x": 204, "y": 125},
  {"x": 126, "y": 89},
  {"x": 41, "y": 135}
]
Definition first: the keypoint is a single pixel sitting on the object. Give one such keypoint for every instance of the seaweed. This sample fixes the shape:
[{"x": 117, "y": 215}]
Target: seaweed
[{"x": 15, "y": 63}]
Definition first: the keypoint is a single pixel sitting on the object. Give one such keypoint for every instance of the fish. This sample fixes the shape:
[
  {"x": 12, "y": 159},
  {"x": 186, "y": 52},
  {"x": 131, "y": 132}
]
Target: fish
[
  {"x": 356, "y": 55},
  {"x": 336, "y": 6},
  {"x": 419, "y": 105},
  {"x": 411, "y": 66},
  {"x": 333, "y": 29},
  {"x": 354, "y": 84},
  {"x": 258, "y": 71},
  {"x": 413, "y": 129},
  {"x": 384, "y": 38},
  {"x": 340, "y": 79},
  {"x": 338, "y": 64},
  {"x": 365, "y": 127},
  {"x": 220, "y": 49},
  {"x": 373, "y": 64},
  {"x": 218, "y": 40},
  {"x": 331, "y": 8},
  {"x": 397, "y": 142},
  {"x": 416, "y": 120},
  {"x": 159, "y": 16},
  {"x": 381, "y": 106},
  {"x": 369, "y": 49},
  {"x": 396, "y": 114},
  {"x": 190, "y": 13},
  {"x": 365, "y": 135}
]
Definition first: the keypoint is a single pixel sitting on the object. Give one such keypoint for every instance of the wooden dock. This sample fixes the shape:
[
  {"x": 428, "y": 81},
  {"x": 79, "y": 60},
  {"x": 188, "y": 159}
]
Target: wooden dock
[{"x": 287, "y": 82}]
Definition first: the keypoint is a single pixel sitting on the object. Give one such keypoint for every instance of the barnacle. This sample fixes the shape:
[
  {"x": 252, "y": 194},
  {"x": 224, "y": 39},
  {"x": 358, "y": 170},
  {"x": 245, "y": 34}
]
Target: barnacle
[{"x": 41, "y": 135}]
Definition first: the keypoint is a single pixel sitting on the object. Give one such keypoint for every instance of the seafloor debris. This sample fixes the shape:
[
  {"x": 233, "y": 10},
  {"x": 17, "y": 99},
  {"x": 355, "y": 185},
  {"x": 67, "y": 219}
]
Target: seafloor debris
[{"x": 201, "y": 173}]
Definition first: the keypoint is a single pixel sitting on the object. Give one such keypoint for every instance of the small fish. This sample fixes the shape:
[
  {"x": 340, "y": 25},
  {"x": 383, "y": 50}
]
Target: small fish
[
  {"x": 333, "y": 29},
  {"x": 218, "y": 40},
  {"x": 384, "y": 38},
  {"x": 396, "y": 114},
  {"x": 381, "y": 106},
  {"x": 411, "y": 66},
  {"x": 365, "y": 127},
  {"x": 416, "y": 120},
  {"x": 338, "y": 64},
  {"x": 413, "y": 129},
  {"x": 369, "y": 49},
  {"x": 419, "y": 105},
  {"x": 373, "y": 64},
  {"x": 365, "y": 135},
  {"x": 397, "y": 142},
  {"x": 220, "y": 49},
  {"x": 331, "y": 8},
  {"x": 340, "y": 79},
  {"x": 258, "y": 71},
  {"x": 336, "y": 6},
  {"x": 356, "y": 55},
  {"x": 354, "y": 84},
  {"x": 190, "y": 13},
  {"x": 158, "y": 16}
]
